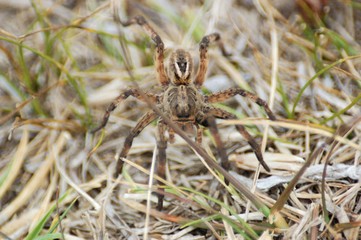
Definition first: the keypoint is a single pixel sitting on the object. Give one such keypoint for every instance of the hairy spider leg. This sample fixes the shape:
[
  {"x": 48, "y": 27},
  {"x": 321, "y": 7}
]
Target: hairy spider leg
[
  {"x": 203, "y": 56},
  {"x": 145, "y": 120},
  {"x": 199, "y": 134},
  {"x": 159, "y": 55},
  {"x": 222, "y": 114},
  {"x": 161, "y": 160},
  {"x": 226, "y": 94},
  {"x": 124, "y": 95}
]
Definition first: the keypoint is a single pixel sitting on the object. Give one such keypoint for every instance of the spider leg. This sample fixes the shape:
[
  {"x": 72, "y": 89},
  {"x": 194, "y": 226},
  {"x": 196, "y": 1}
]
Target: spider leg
[
  {"x": 222, "y": 114},
  {"x": 226, "y": 94},
  {"x": 171, "y": 134},
  {"x": 124, "y": 95},
  {"x": 142, "y": 123},
  {"x": 161, "y": 163},
  {"x": 210, "y": 122},
  {"x": 199, "y": 134},
  {"x": 159, "y": 57},
  {"x": 203, "y": 56}
]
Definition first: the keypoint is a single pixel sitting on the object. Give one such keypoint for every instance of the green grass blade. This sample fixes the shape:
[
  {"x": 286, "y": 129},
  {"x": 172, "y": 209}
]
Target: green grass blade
[
  {"x": 41, "y": 223},
  {"x": 79, "y": 88},
  {"x": 319, "y": 73},
  {"x": 244, "y": 225},
  {"x": 342, "y": 111},
  {"x": 50, "y": 236}
]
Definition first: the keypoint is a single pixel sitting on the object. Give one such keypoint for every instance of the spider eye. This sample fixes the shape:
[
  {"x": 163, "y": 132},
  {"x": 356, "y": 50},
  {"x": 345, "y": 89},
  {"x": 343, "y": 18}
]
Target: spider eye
[{"x": 182, "y": 66}]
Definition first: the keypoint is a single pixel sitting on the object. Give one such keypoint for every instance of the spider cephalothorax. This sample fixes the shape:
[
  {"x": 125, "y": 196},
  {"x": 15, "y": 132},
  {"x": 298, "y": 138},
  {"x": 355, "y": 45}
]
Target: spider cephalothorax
[
  {"x": 180, "y": 67},
  {"x": 182, "y": 102}
]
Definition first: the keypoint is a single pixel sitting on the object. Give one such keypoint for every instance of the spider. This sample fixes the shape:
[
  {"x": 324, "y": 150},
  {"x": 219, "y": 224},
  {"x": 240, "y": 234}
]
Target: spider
[{"x": 183, "y": 102}]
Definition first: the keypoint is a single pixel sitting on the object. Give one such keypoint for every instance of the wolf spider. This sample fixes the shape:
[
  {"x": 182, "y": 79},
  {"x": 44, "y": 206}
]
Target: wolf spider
[{"x": 183, "y": 102}]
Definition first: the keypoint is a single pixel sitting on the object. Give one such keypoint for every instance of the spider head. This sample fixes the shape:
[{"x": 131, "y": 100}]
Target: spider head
[{"x": 180, "y": 67}]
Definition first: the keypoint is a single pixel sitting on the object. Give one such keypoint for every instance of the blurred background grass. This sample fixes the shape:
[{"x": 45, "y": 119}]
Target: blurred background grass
[{"x": 61, "y": 64}]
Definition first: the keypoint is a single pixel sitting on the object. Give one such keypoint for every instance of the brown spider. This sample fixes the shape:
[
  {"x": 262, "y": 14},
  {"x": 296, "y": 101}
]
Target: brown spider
[{"x": 183, "y": 102}]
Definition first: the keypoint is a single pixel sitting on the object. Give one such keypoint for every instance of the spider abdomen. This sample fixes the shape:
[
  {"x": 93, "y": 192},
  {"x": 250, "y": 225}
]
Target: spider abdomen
[{"x": 182, "y": 102}]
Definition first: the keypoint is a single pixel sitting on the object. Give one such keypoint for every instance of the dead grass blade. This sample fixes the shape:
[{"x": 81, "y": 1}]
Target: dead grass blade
[
  {"x": 277, "y": 207},
  {"x": 8, "y": 116},
  {"x": 343, "y": 130},
  {"x": 9, "y": 175},
  {"x": 34, "y": 183},
  {"x": 296, "y": 125}
]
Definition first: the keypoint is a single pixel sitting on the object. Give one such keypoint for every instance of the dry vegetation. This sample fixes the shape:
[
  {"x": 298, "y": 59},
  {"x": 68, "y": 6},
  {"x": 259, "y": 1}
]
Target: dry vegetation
[{"x": 61, "y": 64}]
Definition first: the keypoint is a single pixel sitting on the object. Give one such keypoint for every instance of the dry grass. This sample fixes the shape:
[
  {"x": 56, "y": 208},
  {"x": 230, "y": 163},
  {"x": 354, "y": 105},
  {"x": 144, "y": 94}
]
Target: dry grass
[{"x": 61, "y": 64}]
